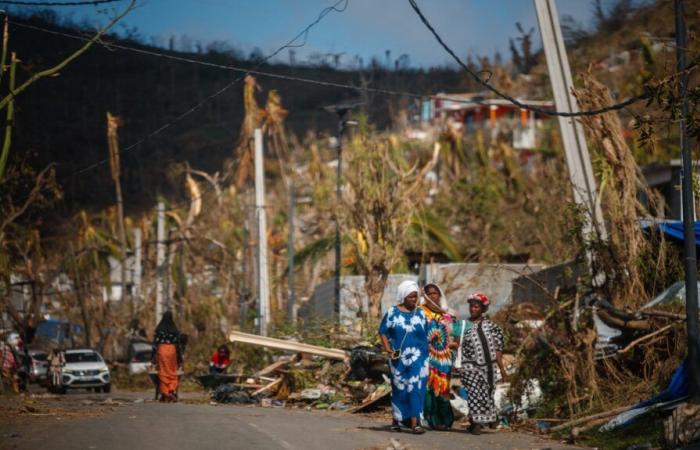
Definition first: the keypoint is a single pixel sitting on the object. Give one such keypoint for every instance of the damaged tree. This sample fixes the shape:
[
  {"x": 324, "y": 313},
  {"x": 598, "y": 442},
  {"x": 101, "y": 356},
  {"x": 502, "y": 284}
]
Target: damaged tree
[{"x": 382, "y": 194}]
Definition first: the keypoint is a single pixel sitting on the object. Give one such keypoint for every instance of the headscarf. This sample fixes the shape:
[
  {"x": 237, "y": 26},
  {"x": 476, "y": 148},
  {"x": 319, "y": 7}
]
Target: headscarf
[
  {"x": 405, "y": 289},
  {"x": 482, "y": 299},
  {"x": 167, "y": 324},
  {"x": 443, "y": 300}
]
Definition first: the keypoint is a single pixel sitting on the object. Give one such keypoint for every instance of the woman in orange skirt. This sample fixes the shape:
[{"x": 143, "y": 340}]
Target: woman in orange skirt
[{"x": 167, "y": 357}]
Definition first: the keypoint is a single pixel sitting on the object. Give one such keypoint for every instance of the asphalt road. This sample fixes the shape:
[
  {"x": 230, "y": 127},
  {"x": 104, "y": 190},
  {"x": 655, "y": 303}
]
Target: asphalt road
[{"x": 126, "y": 424}]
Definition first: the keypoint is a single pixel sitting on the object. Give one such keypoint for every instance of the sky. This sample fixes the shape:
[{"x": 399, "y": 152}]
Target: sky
[{"x": 366, "y": 28}]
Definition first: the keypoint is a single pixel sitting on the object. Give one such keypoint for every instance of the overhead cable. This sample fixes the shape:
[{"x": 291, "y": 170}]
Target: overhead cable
[
  {"x": 303, "y": 33},
  {"x": 509, "y": 98},
  {"x": 49, "y": 4},
  {"x": 254, "y": 71}
]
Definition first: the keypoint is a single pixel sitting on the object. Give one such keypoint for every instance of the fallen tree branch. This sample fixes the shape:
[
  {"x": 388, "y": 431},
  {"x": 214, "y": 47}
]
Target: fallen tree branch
[
  {"x": 616, "y": 322},
  {"x": 669, "y": 315},
  {"x": 586, "y": 419},
  {"x": 539, "y": 330},
  {"x": 646, "y": 337}
]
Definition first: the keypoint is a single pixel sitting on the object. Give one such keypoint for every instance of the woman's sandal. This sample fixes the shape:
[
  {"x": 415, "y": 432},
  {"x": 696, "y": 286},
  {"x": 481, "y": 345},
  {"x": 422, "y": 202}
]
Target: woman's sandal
[
  {"x": 396, "y": 427},
  {"x": 418, "y": 430}
]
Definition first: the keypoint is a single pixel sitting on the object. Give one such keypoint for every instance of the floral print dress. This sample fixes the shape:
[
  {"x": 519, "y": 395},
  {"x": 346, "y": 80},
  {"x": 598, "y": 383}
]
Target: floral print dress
[{"x": 406, "y": 332}]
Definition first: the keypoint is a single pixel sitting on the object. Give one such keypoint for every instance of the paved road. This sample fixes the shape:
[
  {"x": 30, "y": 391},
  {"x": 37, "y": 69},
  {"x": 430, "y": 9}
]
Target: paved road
[{"x": 147, "y": 425}]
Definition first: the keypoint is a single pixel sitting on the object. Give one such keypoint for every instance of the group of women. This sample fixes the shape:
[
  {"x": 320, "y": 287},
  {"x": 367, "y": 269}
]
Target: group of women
[{"x": 425, "y": 344}]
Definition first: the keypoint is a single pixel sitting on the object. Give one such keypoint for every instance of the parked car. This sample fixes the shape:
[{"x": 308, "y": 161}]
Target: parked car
[
  {"x": 139, "y": 357},
  {"x": 85, "y": 369},
  {"x": 39, "y": 366}
]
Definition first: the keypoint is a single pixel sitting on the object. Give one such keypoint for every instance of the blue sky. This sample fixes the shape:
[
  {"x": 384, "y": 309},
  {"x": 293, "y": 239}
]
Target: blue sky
[{"x": 366, "y": 28}]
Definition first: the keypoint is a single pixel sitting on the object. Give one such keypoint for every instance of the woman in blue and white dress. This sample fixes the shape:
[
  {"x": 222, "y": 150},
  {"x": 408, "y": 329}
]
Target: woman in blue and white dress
[{"x": 403, "y": 334}]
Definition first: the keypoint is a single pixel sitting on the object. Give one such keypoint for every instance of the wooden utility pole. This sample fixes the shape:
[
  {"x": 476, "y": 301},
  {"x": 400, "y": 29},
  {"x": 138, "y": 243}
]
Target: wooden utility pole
[
  {"x": 160, "y": 262},
  {"x": 263, "y": 277},
  {"x": 113, "y": 123},
  {"x": 290, "y": 256},
  {"x": 575, "y": 149}
]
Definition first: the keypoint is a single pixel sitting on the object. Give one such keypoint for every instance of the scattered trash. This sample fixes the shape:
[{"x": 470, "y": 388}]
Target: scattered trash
[
  {"x": 339, "y": 406},
  {"x": 311, "y": 394},
  {"x": 230, "y": 393},
  {"x": 460, "y": 407}
]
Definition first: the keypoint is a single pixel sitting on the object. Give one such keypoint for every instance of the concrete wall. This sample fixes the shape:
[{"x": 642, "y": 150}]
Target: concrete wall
[
  {"x": 502, "y": 283},
  {"x": 353, "y": 300},
  {"x": 459, "y": 280},
  {"x": 539, "y": 287}
]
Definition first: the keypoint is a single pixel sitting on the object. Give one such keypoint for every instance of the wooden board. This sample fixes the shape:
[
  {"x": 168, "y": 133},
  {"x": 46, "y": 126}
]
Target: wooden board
[
  {"x": 381, "y": 392},
  {"x": 279, "y": 344}
]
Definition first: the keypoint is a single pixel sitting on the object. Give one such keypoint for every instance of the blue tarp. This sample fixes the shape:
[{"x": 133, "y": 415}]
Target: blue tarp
[
  {"x": 676, "y": 391},
  {"x": 674, "y": 229}
]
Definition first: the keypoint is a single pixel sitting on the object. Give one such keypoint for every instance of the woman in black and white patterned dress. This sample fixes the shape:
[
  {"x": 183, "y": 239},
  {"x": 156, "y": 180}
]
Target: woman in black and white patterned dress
[{"x": 482, "y": 362}]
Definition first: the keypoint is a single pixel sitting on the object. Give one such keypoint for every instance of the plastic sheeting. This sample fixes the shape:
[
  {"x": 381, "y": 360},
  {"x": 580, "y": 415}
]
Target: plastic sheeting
[{"x": 676, "y": 391}]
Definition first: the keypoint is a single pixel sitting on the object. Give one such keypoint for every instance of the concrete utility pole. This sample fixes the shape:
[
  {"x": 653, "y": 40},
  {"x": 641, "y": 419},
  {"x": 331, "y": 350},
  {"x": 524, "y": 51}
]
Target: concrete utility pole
[
  {"x": 263, "y": 277},
  {"x": 577, "y": 158},
  {"x": 160, "y": 262},
  {"x": 689, "y": 249},
  {"x": 138, "y": 270}
]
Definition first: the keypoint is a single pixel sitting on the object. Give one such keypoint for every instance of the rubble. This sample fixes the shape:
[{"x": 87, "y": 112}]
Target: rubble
[{"x": 314, "y": 377}]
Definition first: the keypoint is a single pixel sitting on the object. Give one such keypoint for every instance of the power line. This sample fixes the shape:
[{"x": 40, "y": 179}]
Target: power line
[
  {"x": 79, "y": 3},
  {"x": 253, "y": 71},
  {"x": 303, "y": 33},
  {"x": 514, "y": 101}
]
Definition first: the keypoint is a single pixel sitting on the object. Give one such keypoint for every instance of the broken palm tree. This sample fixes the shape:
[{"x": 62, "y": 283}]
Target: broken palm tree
[{"x": 636, "y": 265}]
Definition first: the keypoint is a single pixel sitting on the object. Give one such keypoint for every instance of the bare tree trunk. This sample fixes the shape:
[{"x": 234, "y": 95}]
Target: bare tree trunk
[
  {"x": 113, "y": 123},
  {"x": 374, "y": 286}
]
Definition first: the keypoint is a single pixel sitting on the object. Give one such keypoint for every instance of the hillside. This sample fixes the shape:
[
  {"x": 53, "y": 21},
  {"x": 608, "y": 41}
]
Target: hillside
[{"x": 62, "y": 119}]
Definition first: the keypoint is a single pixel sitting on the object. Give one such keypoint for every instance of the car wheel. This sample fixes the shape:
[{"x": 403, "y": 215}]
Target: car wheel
[
  {"x": 62, "y": 390},
  {"x": 97, "y": 389},
  {"x": 107, "y": 388}
]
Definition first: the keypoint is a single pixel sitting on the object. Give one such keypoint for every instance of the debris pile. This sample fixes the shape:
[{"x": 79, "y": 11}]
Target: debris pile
[{"x": 313, "y": 377}]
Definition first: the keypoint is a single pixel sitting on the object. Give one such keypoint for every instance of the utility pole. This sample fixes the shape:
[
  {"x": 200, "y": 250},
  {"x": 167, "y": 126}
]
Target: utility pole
[
  {"x": 341, "y": 110},
  {"x": 689, "y": 249},
  {"x": 160, "y": 262},
  {"x": 575, "y": 149},
  {"x": 263, "y": 278},
  {"x": 138, "y": 269},
  {"x": 113, "y": 123},
  {"x": 290, "y": 256}
]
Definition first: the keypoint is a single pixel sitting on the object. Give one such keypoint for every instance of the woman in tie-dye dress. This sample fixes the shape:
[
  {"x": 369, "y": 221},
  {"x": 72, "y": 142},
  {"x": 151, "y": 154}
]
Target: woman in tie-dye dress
[
  {"x": 437, "y": 410},
  {"x": 403, "y": 334}
]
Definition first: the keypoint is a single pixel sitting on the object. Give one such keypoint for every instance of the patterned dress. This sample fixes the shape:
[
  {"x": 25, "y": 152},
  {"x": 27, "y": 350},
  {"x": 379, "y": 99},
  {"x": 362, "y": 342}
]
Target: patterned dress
[
  {"x": 406, "y": 332},
  {"x": 438, "y": 410},
  {"x": 480, "y": 370}
]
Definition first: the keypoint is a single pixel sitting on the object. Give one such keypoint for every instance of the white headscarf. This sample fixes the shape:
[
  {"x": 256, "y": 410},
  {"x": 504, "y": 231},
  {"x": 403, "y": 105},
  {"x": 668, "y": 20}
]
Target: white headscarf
[
  {"x": 443, "y": 300},
  {"x": 405, "y": 289}
]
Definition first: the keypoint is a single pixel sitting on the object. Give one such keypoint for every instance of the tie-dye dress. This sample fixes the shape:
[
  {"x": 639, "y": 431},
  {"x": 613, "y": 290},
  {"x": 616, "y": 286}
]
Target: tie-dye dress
[
  {"x": 438, "y": 411},
  {"x": 406, "y": 332}
]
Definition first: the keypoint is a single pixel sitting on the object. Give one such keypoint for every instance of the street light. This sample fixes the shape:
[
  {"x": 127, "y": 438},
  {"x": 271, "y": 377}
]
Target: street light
[{"x": 341, "y": 110}]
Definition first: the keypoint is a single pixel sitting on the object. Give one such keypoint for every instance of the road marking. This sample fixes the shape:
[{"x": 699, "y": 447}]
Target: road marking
[{"x": 281, "y": 442}]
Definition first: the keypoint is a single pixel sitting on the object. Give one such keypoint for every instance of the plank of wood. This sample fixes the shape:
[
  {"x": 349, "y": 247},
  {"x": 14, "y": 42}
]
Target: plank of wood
[
  {"x": 279, "y": 344},
  {"x": 379, "y": 393},
  {"x": 274, "y": 366},
  {"x": 267, "y": 387}
]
